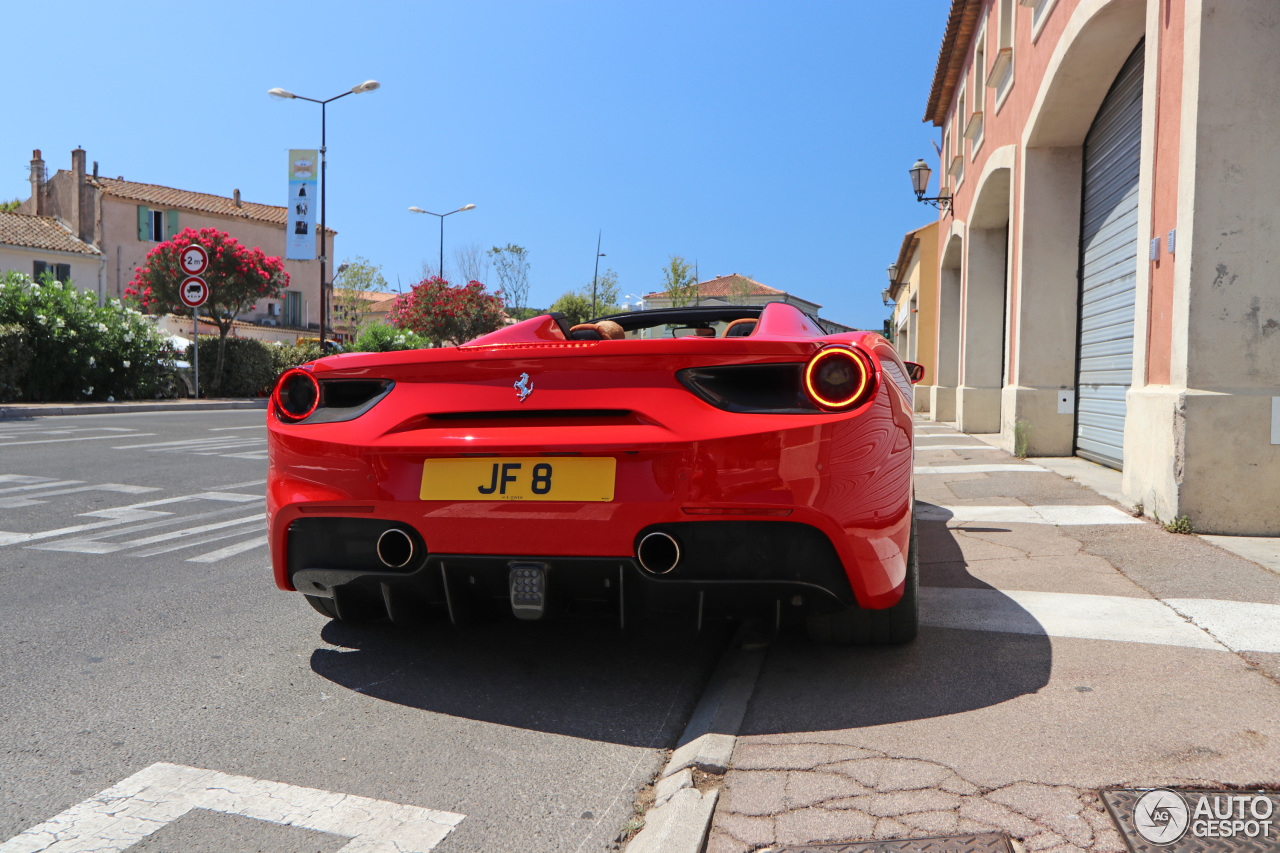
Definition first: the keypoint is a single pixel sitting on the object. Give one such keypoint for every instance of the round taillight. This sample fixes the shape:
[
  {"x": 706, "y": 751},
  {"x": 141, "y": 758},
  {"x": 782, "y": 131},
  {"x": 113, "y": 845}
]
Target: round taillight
[
  {"x": 838, "y": 379},
  {"x": 297, "y": 394}
]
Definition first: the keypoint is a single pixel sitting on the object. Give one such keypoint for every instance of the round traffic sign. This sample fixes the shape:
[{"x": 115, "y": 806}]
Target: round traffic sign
[
  {"x": 193, "y": 292},
  {"x": 194, "y": 259}
]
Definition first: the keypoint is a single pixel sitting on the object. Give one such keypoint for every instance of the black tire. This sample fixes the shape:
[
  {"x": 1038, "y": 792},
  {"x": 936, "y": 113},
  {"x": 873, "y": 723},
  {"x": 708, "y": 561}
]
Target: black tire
[
  {"x": 890, "y": 627},
  {"x": 323, "y": 606}
]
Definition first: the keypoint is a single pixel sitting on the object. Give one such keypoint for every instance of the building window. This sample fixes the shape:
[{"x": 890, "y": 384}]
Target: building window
[
  {"x": 1001, "y": 77},
  {"x": 973, "y": 130},
  {"x": 156, "y": 226},
  {"x": 1040, "y": 10},
  {"x": 59, "y": 272},
  {"x": 292, "y": 308}
]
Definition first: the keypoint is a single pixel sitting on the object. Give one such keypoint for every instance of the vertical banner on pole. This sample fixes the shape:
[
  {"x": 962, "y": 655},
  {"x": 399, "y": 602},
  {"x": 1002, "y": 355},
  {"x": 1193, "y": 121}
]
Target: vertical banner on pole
[{"x": 304, "y": 198}]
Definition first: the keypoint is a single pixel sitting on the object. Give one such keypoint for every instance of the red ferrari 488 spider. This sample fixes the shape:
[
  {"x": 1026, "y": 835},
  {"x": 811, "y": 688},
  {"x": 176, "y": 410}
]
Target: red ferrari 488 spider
[{"x": 694, "y": 461}]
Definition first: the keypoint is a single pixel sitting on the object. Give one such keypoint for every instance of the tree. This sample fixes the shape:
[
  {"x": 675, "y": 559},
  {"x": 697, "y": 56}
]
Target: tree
[
  {"x": 678, "y": 282},
  {"x": 576, "y": 307},
  {"x": 443, "y": 313},
  {"x": 351, "y": 289},
  {"x": 10, "y": 206},
  {"x": 511, "y": 263},
  {"x": 237, "y": 277},
  {"x": 740, "y": 289},
  {"x": 607, "y": 293},
  {"x": 472, "y": 263}
]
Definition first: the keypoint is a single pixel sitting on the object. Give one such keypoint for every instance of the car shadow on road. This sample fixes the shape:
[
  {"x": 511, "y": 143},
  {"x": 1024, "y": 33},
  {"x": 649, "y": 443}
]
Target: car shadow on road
[
  {"x": 804, "y": 687},
  {"x": 581, "y": 678}
]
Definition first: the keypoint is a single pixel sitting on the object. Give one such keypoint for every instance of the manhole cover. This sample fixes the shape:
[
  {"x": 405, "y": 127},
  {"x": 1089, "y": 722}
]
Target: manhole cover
[{"x": 990, "y": 842}]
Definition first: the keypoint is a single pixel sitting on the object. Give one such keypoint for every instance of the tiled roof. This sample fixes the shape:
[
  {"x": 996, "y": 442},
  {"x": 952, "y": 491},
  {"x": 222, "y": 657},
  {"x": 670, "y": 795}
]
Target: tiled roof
[
  {"x": 203, "y": 202},
  {"x": 728, "y": 285},
  {"x": 961, "y": 23},
  {"x": 41, "y": 232}
]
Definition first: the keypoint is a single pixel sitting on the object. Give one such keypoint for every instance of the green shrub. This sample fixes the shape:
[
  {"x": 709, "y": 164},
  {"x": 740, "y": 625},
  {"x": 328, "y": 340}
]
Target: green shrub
[
  {"x": 383, "y": 338},
  {"x": 248, "y": 369},
  {"x": 78, "y": 349},
  {"x": 285, "y": 356},
  {"x": 15, "y": 359}
]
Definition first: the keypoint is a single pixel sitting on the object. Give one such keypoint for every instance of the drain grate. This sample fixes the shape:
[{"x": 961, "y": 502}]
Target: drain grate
[{"x": 989, "y": 842}]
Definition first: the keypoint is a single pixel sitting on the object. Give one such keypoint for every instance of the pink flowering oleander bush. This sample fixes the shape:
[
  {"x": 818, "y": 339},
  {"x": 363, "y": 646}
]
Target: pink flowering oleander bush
[
  {"x": 447, "y": 314},
  {"x": 75, "y": 348},
  {"x": 237, "y": 276}
]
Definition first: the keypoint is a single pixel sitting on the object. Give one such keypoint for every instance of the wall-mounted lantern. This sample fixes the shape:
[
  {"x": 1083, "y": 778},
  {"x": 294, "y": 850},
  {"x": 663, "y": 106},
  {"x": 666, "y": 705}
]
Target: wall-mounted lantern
[{"x": 920, "y": 173}]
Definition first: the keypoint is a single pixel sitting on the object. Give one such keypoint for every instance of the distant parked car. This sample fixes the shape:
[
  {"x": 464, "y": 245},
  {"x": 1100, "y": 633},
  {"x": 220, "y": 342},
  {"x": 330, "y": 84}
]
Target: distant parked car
[{"x": 178, "y": 382}]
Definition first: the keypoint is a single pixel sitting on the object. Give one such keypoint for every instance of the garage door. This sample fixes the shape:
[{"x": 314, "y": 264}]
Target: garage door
[{"x": 1108, "y": 268}]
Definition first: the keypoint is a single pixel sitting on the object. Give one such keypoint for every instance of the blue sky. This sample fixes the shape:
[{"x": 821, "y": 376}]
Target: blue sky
[{"x": 769, "y": 139}]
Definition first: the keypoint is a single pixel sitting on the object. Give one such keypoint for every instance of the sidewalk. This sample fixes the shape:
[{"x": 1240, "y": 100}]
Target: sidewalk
[
  {"x": 1066, "y": 646},
  {"x": 10, "y": 411}
]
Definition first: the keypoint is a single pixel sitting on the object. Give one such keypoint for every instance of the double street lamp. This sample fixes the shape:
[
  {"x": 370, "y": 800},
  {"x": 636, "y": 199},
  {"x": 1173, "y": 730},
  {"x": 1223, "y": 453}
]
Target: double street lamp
[
  {"x": 442, "y": 216},
  {"x": 595, "y": 275},
  {"x": 283, "y": 95}
]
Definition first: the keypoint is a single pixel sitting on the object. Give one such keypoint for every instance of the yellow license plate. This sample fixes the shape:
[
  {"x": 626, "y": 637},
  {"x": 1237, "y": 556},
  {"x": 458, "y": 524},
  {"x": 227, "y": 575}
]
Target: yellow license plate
[{"x": 518, "y": 478}]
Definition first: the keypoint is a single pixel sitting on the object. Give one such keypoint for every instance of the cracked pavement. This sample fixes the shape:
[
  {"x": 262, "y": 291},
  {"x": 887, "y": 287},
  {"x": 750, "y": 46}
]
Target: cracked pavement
[{"x": 1053, "y": 661}]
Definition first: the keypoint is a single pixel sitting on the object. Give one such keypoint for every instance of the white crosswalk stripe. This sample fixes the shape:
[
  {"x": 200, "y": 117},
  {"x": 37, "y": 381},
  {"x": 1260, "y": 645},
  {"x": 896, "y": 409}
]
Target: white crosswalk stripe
[
  {"x": 921, "y": 447},
  {"x": 979, "y": 468},
  {"x": 161, "y": 522},
  {"x": 1061, "y": 614},
  {"x": 1043, "y": 514},
  {"x": 226, "y": 446}
]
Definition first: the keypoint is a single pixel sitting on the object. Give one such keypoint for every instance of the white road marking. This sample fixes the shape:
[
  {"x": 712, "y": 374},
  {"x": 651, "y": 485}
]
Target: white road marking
[
  {"x": 44, "y": 484},
  {"x": 256, "y": 454},
  {"x": 192, "y": 443},
  {"x": 122, "y": 515},
  {"x": 133, "y": 809},
  {"x": 920, "y": 447},
  {"x": 23, "y": 478},
  {"x": 978, "y": 468},
  {"x": 1061, "y": 614},
  {"x": 251, "y": 426},
  {"x": 34, "y": 499},
  {"x": 100, "y": 547},
  {"x": 230, "y": 551},
  {"x": 1059, "y": 515},
  {"x": 1243, "y": 626},
  {"x": 63, "y": 440},
  {"x": 240, "y": 485},
  {"x": 88, "y": 544}
]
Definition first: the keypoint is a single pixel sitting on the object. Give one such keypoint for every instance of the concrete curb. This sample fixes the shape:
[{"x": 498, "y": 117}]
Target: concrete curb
[
  {"x": 49, "y": 410},
  {"x": 681, "y": 816}
]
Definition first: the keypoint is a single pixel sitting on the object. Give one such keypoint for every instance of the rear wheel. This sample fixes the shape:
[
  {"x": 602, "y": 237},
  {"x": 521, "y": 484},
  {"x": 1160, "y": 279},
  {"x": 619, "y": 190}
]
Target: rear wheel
[{"x": 895, "y": 625}]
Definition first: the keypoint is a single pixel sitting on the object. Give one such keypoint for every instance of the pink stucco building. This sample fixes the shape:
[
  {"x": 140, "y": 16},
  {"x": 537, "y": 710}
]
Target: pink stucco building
[{"x": 1106, "y": 274}]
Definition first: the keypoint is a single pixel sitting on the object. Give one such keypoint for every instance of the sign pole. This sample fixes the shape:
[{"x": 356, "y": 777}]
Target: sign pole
[{"x": 195, "y": 352}]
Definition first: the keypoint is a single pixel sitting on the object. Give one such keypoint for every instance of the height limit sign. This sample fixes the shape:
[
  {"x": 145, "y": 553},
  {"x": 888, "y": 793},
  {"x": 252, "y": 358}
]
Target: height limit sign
[{"x": 194, "y": 292}]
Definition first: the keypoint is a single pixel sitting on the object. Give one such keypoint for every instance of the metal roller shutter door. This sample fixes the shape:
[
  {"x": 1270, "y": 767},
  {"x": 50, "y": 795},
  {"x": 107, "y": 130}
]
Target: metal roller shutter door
[{"x": 1109, "y": 267}]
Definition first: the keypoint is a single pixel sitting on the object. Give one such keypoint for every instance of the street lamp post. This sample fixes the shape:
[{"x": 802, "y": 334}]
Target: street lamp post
[
  {"x": 595, "y": 275},
  {"x": 281, "y": 94},
  {"x": 442, "y": 216}
]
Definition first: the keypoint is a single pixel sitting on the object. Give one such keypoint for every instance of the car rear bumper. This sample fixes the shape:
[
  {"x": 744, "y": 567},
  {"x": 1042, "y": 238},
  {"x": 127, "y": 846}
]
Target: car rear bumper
[{"x": 816, "y": 511}]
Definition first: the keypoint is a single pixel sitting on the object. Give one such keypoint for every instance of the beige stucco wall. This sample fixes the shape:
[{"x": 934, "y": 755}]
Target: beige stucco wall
[
  {"x": 125, "y": 252},
  {"x": 84, "y": 268}
]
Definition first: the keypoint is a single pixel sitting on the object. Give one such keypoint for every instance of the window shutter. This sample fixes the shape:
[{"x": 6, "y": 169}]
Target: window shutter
[
  {"x": 38, "y": 268},
  {"x": 64, "y": 273},
  {"x": 170, "y": 224},
  {"x": 144, "y": 224}
]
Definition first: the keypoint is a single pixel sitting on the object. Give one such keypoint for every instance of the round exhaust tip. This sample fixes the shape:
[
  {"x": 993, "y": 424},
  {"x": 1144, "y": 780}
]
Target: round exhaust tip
[
  {"x": 658, "y": 553},
  {"x": 395, "y": 548}
]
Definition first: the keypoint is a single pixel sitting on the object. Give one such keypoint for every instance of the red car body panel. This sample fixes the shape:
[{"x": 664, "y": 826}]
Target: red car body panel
[{"x": 678, "y": 458}]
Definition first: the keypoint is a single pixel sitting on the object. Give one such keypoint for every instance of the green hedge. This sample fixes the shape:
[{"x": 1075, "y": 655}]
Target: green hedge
[
  {"x": 383, "y": 338},
  {"x": 15, "y": 360},
  {"x": 248, "y": 368}
]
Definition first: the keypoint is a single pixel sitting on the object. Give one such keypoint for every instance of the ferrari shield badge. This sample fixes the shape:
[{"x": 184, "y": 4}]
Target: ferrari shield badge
[{"x": 524, "y": 387}]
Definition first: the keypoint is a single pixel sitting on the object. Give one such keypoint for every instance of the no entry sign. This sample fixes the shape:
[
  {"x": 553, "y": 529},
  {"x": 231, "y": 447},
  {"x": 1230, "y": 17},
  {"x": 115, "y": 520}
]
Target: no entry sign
[{"x": 193, "y": 292}]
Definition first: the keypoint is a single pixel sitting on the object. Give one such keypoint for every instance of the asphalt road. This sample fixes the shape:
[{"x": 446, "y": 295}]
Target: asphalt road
[{"x": 141, "y": 634}]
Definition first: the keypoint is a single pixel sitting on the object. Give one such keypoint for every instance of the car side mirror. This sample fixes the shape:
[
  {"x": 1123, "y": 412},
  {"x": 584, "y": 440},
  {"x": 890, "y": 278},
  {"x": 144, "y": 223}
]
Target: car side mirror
[{"x": 914, "y": 371}]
